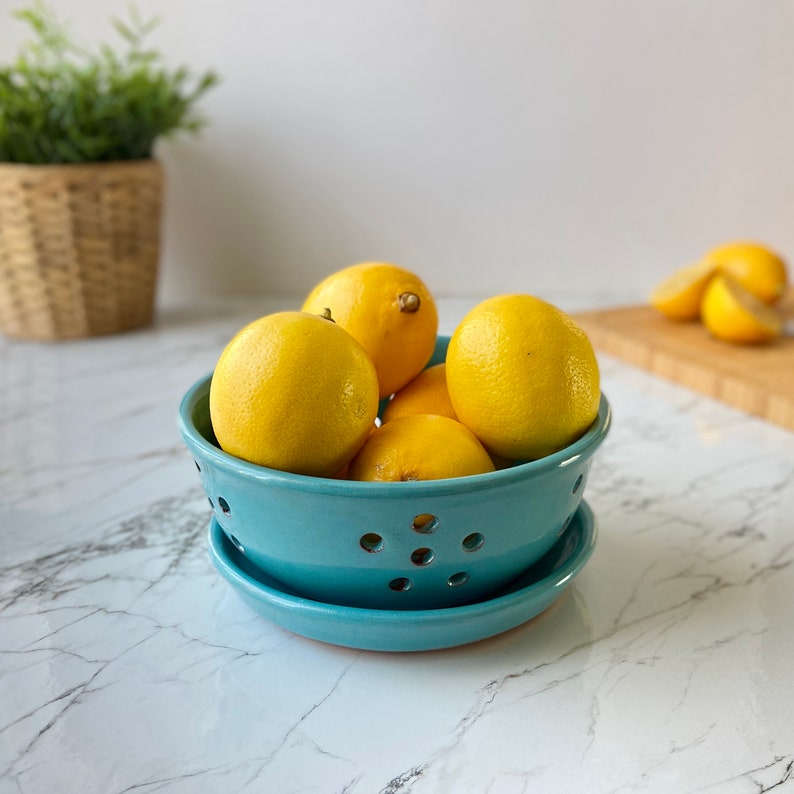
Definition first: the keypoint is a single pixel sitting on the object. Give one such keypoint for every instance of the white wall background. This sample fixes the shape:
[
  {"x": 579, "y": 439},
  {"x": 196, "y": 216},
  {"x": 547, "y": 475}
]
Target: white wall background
[{"x": 518, "y": 145}]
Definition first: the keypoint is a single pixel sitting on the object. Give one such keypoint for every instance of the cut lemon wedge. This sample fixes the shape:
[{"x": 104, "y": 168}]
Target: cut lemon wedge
[
  {"x": 733, "y": 314},
  {"x": 758, "y": 269},
  {"x": 678, "y": 296}
]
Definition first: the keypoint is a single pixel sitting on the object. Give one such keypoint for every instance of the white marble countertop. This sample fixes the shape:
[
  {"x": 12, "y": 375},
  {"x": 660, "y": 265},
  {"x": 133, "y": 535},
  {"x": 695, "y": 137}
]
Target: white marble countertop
[{"x": 128, "y": 664}]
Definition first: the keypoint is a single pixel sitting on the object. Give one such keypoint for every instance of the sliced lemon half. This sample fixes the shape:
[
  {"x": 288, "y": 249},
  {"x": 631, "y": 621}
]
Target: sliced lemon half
[
  {"x": 733, "y": 314},
  {"x": 757, "y": 268},
  {"x": 679, "y": 295}
]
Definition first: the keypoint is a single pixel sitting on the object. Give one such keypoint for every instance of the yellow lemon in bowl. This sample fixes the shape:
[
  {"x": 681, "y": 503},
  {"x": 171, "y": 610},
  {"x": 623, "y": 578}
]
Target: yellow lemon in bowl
[
  {"x": 522, "y": 376},
  {"x": 427, "y": 393},
  {"x": 293, "y": 391},
  {"x": 389, "y": 310},
  {"x": 420, "y": 447}
]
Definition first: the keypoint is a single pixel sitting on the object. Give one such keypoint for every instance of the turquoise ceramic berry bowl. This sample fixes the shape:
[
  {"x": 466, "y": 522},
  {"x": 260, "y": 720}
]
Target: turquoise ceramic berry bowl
[{"x": 401, "y": 545}]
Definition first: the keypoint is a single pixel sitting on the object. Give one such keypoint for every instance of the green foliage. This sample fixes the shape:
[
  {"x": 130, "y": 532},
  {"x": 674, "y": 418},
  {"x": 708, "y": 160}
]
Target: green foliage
[{"x": 62, "y": 104}]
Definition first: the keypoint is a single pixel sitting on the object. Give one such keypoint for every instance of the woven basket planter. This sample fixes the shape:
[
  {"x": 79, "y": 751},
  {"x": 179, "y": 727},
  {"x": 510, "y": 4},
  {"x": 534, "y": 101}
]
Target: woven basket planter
[{"x": 79, "y": 248}]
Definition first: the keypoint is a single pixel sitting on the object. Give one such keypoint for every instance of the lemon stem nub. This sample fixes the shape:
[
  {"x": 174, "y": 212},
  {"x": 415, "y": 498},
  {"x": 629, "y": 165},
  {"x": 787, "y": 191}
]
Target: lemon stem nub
[
  {"x": 326, "y": 315},
  {"x": 409, "y": 302}
]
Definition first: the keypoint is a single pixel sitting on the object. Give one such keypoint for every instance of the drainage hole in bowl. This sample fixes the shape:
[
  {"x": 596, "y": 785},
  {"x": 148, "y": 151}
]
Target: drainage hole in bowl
[
  {"x": 237, "y": 545},
  {"x": 425, "y": 523},
  {"x": 224, "y": 506},
  {"x": 400, "y": 584},
  {"x": 423, "y": 556},
  {"x": 578, "y": 483},
  {"x": 473, "y": 542},
  {"x": 371, "y": 542},
  {"x": 457, "y": 579}
]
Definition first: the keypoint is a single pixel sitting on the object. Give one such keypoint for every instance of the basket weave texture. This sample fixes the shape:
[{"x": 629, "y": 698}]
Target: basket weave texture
[{"x": 79, "y": 248}]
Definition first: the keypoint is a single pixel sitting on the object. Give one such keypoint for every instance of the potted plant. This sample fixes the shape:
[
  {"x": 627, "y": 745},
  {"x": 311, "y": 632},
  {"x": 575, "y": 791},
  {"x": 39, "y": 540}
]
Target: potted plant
[{"x": 80, "y": 188}]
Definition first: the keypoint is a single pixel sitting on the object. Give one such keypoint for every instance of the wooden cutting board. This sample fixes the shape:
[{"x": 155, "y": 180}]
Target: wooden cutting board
[{"x": 755, "y": 379}]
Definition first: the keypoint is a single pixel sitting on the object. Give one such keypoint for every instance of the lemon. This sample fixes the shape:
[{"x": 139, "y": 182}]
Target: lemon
[
  {"x": 427, "y": 393},
  {"x": 732, "y": 313},
  {"x": 522, "y": 376},
  {"x": 294, "y": 391},
  {"x": 389, "y": 310},
  {"x": 420, "y": 447},
  {"x": 758, "y": 269},
  {"x": 678, "y": 296}
]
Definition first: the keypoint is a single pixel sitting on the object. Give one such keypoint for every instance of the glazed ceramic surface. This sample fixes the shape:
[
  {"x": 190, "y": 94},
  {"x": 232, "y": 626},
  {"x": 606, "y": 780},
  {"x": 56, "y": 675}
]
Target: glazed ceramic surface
[{"x": 411, "y": 630}]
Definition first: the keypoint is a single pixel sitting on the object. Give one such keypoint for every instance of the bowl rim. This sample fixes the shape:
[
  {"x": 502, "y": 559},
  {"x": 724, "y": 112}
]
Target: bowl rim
[{"x": 584, "y": 446}]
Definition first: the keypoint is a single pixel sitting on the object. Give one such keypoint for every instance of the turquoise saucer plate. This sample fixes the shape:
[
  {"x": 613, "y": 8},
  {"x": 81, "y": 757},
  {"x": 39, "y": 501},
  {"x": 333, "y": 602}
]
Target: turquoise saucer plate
[{"x": 416, "y": 629}]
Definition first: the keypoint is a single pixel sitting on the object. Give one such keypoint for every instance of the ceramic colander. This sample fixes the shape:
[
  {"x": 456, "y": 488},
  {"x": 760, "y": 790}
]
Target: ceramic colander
[{"x": 394, "y": 545}]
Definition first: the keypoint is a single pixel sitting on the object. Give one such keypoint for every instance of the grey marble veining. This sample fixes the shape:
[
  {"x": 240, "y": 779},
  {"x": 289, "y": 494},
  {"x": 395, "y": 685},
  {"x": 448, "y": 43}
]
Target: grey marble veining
[{"x": 127, "y": 664}]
